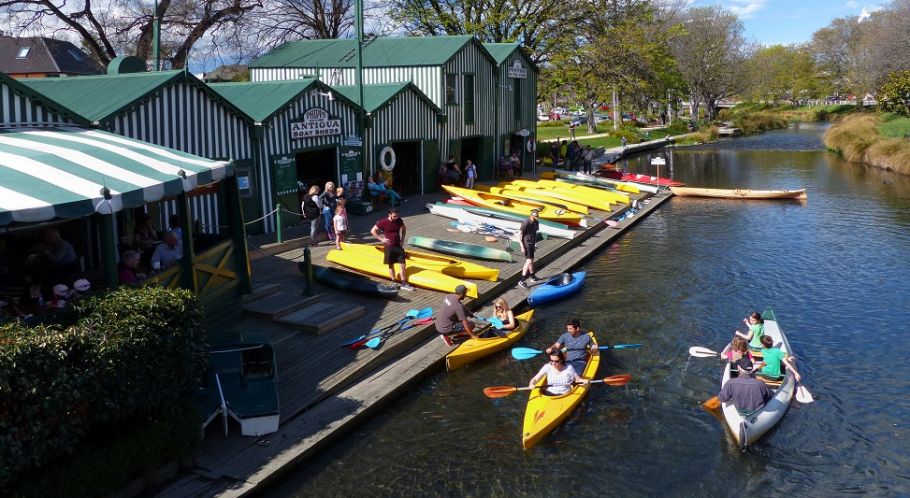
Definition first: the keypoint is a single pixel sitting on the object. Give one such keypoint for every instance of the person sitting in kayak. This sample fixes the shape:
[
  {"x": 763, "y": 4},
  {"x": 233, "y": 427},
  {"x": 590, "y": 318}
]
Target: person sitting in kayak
[
  {"x": 773, "y": 360},
  {"x": 576, "y": 343},
  {"x": 502, "y": 311},
  {"x": 560, "y": 375},
  {"x": 747, "y": 393},
  {"x": 453, "y": 318},
  {"x": 756, "y": 330},
  {"x": 738, "y": 349}
]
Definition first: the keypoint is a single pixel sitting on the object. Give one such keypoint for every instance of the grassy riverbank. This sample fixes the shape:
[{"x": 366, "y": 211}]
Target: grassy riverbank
[
  {"x": 753, "y": 118},
  {"x": 879, "y": 140}
]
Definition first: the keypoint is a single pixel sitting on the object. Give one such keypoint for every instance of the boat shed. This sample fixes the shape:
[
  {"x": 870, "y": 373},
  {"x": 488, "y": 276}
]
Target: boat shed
[
  {"x": 22, "y": 106},
  {"x": 401, "y": 136},
  {"x": 455, "y": 72},
  {"x": 304, "y": 134},
  {"x": 168, "y": 108},
  {"x": 516, "y": 116}
]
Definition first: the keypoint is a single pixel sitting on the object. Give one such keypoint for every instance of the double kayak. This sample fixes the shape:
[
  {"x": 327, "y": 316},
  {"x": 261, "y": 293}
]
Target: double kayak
[
  {"x": 350, "y": 281},
  {"x": 749, "y": 428},
  {"x": 739, "y": 193},
  {"x": 521, "y": 207},
  {"x": 558, "y": 287},
  {"x": 445, "y": 265},
  {"x": 371, "y": 264},
  {"x": 506, "y": 221},
  {"x": 544, "y": 413},
  {"x": 461, "y": 249},
  {"x": 474, "y": 349}
]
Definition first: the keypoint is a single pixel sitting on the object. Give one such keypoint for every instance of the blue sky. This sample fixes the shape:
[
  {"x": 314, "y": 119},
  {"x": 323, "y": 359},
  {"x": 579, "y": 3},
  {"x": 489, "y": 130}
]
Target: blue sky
[{"x": 790, "y": 21}]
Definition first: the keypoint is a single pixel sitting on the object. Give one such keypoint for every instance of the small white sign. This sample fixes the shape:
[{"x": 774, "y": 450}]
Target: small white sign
[
  {"x": 353, "y": 142},
  {"x": 316, "y": 123},
  {"x": 516, "y": 70}
]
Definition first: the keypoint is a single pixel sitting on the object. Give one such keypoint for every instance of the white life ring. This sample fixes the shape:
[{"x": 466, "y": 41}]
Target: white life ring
[
  {"x": 389, "y": 152},
  {"x": 531, "y": 146}
]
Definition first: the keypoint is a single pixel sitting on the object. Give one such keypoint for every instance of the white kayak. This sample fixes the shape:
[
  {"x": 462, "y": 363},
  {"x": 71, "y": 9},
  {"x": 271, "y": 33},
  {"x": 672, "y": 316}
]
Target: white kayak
[
  {"x": 597, "y": 180},
  {"x": 468, "y": 218}
]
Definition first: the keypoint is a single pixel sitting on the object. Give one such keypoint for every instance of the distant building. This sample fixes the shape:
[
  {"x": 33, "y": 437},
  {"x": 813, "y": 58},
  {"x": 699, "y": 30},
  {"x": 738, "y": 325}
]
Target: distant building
[{"x": 41, "y": 57}]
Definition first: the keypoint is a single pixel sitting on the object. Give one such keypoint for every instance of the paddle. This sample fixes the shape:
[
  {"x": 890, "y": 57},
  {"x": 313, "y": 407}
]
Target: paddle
[
  {"x": 375, "y": 342},
  {"x": 411, "y": 315},
  {"x": 503, "y": 391},
  {"x": 527, "y": 353},
  {"x": 702, "y": 352},
  {"x": 803, "y": 395},
  {"x": 496, "y": 322}
]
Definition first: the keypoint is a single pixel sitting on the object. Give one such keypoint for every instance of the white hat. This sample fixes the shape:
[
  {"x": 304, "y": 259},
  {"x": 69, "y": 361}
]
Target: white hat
[
  {"x": 60, "y": 290},
  {"x": 82, "y": 285}
]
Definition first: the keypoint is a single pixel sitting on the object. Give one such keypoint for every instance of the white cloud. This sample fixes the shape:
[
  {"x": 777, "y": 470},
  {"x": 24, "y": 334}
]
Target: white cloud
[
  {"x": 852, "y": 4},
  {"x": 745, "y": 8},
  {"x": 867, "y": 12}
]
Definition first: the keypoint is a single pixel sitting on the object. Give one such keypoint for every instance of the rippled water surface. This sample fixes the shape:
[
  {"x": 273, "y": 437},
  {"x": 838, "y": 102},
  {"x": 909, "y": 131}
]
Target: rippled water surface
[{"x": 835, "y": 269}]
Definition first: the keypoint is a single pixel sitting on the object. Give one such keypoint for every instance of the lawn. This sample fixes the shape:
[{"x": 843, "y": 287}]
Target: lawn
[
  {"x": 894, "y": 126},
  {"x": 551, "y": 132}
]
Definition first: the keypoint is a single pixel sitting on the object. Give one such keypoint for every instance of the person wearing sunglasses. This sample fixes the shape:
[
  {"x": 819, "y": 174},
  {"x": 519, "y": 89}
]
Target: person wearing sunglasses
[
  {"x": 502, "y": 311},
  {"x": 560, "y": 375}
]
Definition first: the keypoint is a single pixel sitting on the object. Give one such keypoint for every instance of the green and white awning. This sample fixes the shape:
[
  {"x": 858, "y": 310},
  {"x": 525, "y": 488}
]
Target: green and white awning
[{"x": 48, "y": 173}]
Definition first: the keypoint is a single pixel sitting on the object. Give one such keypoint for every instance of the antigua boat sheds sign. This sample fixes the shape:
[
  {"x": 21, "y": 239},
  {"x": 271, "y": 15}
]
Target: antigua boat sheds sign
[
  {"x": 516, "y": 70},
  {"x": 316, "y": 123}
]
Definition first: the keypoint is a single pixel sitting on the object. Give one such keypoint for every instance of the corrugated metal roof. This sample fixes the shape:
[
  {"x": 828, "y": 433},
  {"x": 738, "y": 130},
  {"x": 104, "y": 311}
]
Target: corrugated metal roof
[
  {"x": 377, "y": 96},
  {"x": 260, "y": 100},
  {"x": 381, "y": 52},
  {"x": 97, "y": 97}
]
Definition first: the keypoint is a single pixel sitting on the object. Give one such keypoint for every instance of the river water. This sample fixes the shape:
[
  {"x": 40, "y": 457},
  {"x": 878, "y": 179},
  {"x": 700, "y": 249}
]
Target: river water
[{"x": 835, "y": 270}]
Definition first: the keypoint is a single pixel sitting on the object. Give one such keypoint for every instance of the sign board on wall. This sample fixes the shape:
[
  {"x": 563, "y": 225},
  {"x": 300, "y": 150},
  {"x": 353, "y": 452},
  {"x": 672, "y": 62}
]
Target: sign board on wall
[
  {"x": 316, "y": 123},
  {"x": 516, "y": 70},
  {"x": 284, "y": 170}
]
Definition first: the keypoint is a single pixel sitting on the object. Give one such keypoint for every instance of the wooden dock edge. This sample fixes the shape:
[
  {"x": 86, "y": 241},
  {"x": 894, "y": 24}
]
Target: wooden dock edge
[{"x": 336, "y": 414}]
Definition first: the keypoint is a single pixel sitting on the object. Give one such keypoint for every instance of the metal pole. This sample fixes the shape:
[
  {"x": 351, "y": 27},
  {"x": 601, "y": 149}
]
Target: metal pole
[
  {"x": 156, "y": 35},
  {"x": 278, "y": 221},
  {"x": 308, "y": 264},
  {"x": 358, "y": 79}
]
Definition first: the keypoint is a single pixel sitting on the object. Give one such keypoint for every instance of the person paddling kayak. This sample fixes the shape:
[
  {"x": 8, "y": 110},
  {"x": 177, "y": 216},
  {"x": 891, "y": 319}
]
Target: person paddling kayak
[
  {"x": 560, "y": 375},
  {"x": 576, "y": 343}
]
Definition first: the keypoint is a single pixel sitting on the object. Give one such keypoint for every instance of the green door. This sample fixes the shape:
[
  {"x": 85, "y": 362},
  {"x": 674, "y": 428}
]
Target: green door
[
  {"x": 248, "y": 189},
  {"x": 431, "y": 162}
]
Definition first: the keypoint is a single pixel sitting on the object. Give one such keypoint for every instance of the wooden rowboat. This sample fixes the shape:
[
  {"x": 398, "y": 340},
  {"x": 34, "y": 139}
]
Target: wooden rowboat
[
  {"x": 748, "y": 429},
  {"x": 720, "y": 193}
]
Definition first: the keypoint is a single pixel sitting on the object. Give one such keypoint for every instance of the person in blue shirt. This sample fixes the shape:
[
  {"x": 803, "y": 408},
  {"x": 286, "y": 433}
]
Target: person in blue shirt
[{"x": 577, "y": 344}]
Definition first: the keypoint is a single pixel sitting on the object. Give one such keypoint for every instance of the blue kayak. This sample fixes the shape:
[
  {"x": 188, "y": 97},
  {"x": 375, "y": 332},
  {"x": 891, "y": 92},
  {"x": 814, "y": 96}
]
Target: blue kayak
[{"x": 558, "y": 287}]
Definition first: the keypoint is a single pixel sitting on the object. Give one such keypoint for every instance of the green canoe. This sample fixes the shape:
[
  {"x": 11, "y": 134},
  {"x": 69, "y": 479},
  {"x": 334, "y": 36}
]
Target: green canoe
[{"x": 460, "y": 249}]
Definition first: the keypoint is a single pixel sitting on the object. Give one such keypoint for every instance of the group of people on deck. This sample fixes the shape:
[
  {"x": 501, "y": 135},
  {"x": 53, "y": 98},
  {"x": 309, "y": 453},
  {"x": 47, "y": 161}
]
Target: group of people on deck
[{"x": 749, "y": 390}]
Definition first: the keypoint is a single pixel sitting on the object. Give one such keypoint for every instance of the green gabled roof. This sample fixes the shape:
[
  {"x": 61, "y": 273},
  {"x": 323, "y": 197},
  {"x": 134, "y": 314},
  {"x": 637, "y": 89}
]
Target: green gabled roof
[
  {"x": 44, "y": 100},
  {"x": 502, "y": 51},
  {"x": 380, "y": 52},
  {"x": 98, "y": 97},
  {"x": 377, "y": 96},
  {"x": 260, "y": 100}
]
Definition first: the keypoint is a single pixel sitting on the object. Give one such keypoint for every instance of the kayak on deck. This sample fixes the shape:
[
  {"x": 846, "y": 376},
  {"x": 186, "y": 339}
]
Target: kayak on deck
[
  {"x": 442, "y": 264},
  {"x": 573, "y": 177},
  {"x": 461, "y": 249},
  {"x": 746, "y": 430},
  {"x": 587, "y": 192},
  {"x": 544, "y": 413},
  {"x": 474, "y": 349},
  {"x": 558, "y": 287},
  {"x": 547, "y": 211},
  {"x": 525, "y": 195},
  {"x": 500, "y": 219},
  {"x": 597, "y": 202},
  {"x": 739, "y": 193},
  {"x": 417, "y": 275},
  {"x": 350, "y": 281},
  {"x": 639, "y": 178}
]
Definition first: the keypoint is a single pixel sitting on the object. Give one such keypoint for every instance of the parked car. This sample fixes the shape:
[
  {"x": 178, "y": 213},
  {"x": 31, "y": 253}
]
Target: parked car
[
  {"x": 578, "y": 121},
  {"x": 555, "y": 116},
  {"x": 543, "y": 117}
]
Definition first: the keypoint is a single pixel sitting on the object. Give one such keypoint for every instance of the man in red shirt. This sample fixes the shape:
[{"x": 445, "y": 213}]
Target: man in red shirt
[{"x": 393, "y": 232}]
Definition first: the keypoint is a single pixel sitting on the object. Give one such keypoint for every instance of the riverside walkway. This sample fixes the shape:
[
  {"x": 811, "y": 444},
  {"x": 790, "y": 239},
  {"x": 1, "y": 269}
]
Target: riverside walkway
[{"x": 324, "y": 389}]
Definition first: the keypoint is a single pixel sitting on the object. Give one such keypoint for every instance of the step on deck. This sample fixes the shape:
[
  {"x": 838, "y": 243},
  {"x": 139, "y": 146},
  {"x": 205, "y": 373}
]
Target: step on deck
[
  {"x": 277, "y": 304},
  {"x": 320, "y": 317},
  {"x": 261, "y": 290}
]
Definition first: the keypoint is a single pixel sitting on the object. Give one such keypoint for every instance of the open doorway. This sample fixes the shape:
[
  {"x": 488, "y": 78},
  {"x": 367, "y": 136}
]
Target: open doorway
[
  {"x": 517, "y": 146},
  {"x": 315, "y": 167},
  {"x": 408, "y": 163},
  {"x": 471, "y": 148}
]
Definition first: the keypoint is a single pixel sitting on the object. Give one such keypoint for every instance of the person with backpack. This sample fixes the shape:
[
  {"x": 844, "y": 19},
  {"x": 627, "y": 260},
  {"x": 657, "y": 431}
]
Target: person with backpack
[{"x": 311, "y": 207}]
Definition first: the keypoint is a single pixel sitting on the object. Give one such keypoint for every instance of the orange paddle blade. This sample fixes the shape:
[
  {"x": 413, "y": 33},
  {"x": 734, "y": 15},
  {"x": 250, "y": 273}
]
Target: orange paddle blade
[
  {"x": 712, "y": 404},
  {"x": 617, "y": 380},
  {"x": 499, "y": 391}
]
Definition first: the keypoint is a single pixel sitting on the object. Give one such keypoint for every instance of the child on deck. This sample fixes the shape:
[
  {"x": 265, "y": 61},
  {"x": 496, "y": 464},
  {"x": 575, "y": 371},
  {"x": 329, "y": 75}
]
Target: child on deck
[{"x": 340, "y": 220}]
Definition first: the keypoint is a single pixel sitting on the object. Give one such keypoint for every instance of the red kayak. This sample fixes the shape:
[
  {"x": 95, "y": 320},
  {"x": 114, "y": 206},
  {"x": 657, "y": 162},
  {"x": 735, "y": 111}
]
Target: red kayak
[{"x": 633, "y": 177}]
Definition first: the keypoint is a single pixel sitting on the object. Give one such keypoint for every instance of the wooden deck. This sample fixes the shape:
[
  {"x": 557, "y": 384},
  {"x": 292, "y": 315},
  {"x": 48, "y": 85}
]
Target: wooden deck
[{"x": 313, "y": 369}]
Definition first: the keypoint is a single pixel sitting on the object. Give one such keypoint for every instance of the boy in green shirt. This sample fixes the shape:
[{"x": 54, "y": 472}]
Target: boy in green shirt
[{"x": 773, "y": 360}]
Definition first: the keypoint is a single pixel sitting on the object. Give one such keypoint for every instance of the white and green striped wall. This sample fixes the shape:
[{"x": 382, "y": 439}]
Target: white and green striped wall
[{"x": 19, "y": 109}]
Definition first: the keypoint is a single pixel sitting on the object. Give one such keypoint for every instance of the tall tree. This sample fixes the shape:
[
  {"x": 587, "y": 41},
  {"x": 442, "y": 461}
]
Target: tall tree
[
  {"x": 710, "y": 53},
  {"x": 782, "y": 73}
]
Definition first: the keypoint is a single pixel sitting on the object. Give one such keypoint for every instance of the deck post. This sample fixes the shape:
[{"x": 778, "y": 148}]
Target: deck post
[{"x": 308, "y": 273}]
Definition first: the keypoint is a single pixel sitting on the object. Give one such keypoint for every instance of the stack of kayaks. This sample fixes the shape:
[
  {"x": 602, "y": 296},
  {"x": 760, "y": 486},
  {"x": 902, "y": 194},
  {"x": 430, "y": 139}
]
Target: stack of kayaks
[
  {"x": 558, "y": 287},
  {"x": 461, "y": 249},
  {"x": 534, "y": 196},
  {"x": 747, "y": 429},
  {"x": 639, "y": 178},
  {"x": 581, "y": 178},
  {"x": 474, "y": 349},
  {"x": 350, "y": 281},
  {"x": 601, "y": 202},
  {"x": 370, "y": 262},
  {"x": 522, "y": 207},
  {"x": 585, "y": 192},
  {"x": 504, "y": 220},
  {"x": 544, "y": 413}
]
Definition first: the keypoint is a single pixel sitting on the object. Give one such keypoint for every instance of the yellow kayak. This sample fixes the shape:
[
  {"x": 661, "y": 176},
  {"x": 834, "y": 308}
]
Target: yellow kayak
[
  {"x": 417, "y": 276},
  {"x": 618, "y": 185},
  {"x": 603, "y": 203},
  {"x": 528, "y": 195},
  {"x": 443, "y": 264},
  {"x": 474, "y": 349},
  {"x": 493, "y": 201},
  {"x": 544, "y": 413},
  {"x": 596, "y": 193}
]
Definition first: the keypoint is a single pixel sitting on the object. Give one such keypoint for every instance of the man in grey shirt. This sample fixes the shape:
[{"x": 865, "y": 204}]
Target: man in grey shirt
[
  {"x": 747, "y": 393},
  {"x": 576, "y": 343}
]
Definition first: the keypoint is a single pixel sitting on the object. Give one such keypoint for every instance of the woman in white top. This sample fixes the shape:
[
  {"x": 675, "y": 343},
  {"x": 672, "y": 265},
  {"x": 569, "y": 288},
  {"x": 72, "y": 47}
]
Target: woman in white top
[{"x": 560, "y": 376}]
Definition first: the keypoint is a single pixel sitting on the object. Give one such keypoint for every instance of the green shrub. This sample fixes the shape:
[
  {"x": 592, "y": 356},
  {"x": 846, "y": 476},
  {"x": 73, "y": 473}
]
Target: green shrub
[{"x": 133, "y": 354}]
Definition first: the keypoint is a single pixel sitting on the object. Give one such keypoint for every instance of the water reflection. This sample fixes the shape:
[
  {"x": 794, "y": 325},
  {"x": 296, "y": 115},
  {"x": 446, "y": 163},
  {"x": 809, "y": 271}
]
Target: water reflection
[{"x": 836, "y": 271}]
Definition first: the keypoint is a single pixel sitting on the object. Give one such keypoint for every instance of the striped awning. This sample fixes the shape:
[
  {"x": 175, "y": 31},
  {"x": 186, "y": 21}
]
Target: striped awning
[{"x": 48, "y": 173}]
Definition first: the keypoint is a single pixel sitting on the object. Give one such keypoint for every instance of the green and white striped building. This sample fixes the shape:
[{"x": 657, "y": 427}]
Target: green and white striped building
[{"x": 517, "y": 104}]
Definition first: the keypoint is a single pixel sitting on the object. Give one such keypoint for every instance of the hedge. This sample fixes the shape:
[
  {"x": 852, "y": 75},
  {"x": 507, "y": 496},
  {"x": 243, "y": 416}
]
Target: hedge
[{"x": 133, "y": 355}]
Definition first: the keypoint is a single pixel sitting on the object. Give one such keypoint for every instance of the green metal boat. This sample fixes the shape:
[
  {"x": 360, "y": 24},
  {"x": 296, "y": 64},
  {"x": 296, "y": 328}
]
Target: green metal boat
[{"x": 461, "y": 249}]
